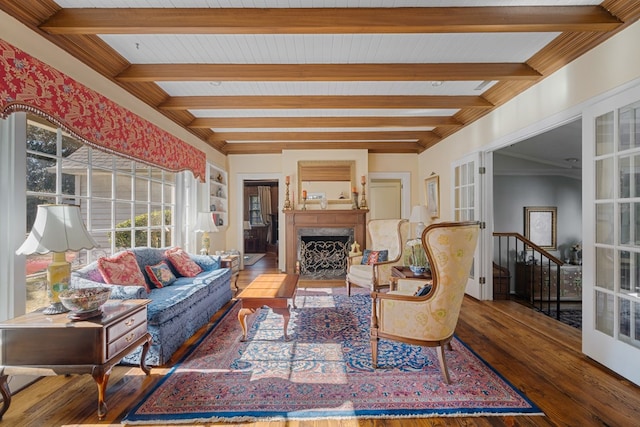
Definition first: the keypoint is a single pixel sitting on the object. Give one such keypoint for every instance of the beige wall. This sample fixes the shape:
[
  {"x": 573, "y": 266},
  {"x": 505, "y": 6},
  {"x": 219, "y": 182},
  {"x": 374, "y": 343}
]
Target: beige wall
[{"x": 606, "y": 67}]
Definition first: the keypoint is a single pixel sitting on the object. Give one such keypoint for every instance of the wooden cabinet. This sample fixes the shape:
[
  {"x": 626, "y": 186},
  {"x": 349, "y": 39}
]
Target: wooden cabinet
[
  {"x": 535, "y": 282},
  {"x": 39, "y": 344}
]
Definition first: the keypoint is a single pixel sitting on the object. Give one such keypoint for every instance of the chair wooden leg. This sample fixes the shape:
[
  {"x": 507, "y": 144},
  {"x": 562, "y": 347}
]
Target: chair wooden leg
[
  {"x": 443, "y": 364},
  {"x": 348, "y": 287},
  {"x": 374, "y": 352}
]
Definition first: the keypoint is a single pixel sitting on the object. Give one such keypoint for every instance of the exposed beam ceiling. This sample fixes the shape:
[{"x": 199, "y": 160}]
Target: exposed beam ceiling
[{"x": 386, "y": 79}]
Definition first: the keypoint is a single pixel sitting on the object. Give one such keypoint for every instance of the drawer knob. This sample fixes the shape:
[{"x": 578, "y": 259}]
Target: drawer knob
[
  {"x": 130, "y": 322},
  {"x": 129, "y": 337}
]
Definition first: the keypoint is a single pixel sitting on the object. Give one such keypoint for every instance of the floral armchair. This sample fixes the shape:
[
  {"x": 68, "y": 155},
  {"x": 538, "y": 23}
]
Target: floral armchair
[
  {"x": 429, "y": 318},
  {"x": 372, "y": 268}
]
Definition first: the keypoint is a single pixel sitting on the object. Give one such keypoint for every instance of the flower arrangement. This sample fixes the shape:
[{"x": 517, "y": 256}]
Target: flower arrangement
[{"x": 417, "y": 255}]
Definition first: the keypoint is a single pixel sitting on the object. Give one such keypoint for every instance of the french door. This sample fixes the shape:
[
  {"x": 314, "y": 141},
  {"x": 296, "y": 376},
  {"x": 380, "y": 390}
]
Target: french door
[
  {"x": 467, "y": 191},
  {"x": 611, "y": 230}
]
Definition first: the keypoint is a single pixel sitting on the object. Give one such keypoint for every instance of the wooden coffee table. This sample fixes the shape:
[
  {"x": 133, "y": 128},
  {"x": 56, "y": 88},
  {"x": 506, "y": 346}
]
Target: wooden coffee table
[{"x": 271, "y": 290}]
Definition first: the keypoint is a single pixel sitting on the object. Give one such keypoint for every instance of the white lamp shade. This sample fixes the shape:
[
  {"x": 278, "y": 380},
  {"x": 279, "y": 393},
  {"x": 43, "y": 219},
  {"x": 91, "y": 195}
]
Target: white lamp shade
[
  {"x": 57, "y": 228},
  {"x": 247, "y": 225},
  {"x": 419, "y": 214},
  {"x": 205, "y": 223}
]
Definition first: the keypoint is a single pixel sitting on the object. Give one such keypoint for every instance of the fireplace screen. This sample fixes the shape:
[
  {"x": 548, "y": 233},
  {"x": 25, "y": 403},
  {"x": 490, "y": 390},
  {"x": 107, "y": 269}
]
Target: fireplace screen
[{"x": 324, "y": 257}]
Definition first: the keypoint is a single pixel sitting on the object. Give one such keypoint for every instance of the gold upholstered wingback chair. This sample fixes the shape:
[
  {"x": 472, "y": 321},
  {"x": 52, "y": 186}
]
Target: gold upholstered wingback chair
[
  {"x": 388, "y": 235},
  {"x": 431, "y": 319}
]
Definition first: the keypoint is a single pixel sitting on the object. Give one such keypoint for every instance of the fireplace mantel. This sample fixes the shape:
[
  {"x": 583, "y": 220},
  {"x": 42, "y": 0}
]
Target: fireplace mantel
[{"x": 330, "y": 218}]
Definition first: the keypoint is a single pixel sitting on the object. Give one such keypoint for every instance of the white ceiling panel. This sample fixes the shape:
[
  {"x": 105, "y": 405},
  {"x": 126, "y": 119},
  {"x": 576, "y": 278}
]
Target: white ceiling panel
[
  {"x": 310, "y": 112},
  {"x": 368, "y": 129},
  {"x": 320, "y": 88},
  {"x": 328, "y": 48}
]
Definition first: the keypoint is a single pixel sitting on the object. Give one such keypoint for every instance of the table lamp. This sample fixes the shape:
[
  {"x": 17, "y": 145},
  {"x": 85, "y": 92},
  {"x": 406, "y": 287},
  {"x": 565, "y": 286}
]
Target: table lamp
[
  {"x": 419, "y": 215},
  {"x": 57, "y": 229},
  {"x": 205, "y": 226}
]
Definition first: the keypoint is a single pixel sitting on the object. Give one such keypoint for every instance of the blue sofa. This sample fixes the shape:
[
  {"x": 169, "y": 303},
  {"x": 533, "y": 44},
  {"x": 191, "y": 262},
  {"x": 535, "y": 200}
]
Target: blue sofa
[{"x": 176, "y": 311}]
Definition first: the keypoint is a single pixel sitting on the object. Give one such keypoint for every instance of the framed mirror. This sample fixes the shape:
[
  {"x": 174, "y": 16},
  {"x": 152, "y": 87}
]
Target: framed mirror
[{"x": 332, "y": 179}]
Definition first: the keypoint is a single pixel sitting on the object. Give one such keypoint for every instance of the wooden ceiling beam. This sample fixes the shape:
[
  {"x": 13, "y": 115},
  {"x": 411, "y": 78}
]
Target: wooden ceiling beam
[
  {"x": 320, "y": 101},
  {"x": 329, "y": 20},
  {"x": 318, "y": 122},
  {"x": 327, "y": 72}
]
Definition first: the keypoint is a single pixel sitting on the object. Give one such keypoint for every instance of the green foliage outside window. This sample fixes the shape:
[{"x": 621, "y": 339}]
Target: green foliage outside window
[{"x": 123, "y": 238}]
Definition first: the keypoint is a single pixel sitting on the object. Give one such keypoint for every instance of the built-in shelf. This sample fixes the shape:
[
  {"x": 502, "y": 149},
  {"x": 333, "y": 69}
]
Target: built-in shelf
[{"x": 218, "y": 194}]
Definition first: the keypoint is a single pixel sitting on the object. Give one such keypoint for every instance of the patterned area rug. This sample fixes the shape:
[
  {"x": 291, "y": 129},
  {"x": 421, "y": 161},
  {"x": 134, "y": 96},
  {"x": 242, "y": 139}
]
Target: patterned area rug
[
  {"x": 323, "y": 372},
  {"x": 250, "y": 259}
]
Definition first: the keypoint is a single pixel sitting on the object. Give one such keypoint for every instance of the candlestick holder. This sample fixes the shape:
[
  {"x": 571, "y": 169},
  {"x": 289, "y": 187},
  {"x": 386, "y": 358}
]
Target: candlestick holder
[
  {"x": 354, "y": 200},
  {"x": 287, "y": 202},
  {"x": 304, "y": 203},
  {"x": 363, "y": 201}
]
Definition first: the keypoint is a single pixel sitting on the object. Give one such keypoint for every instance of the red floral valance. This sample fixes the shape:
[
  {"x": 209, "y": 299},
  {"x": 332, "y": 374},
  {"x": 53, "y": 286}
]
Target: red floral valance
[{"x": 28, "y": 84}]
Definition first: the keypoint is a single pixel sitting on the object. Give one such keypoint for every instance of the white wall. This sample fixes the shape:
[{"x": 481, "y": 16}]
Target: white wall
[{"x": 513, "y": 193}]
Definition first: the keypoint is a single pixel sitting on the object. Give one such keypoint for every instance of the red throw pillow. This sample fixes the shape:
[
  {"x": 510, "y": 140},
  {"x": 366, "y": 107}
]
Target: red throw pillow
[
  {"x": 182, "y": 262},
  {"x": 122, "y": 269}
]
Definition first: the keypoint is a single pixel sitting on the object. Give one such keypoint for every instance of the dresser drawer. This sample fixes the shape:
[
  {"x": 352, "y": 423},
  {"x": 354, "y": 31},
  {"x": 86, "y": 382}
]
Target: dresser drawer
[
  {"x": 126, "y": 325},
  {"x": 125, "y": 341}
]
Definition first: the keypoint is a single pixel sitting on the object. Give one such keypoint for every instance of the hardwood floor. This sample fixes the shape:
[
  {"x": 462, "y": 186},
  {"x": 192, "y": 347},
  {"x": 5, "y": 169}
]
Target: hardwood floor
[{"x": 537, "y": 354}]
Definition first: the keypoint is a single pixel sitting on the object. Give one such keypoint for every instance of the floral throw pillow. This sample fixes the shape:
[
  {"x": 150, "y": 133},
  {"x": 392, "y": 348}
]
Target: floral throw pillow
[
  {"x": 160, "y": 274},
  {"x": 371, "y": 257},
  {"x": 182, "y": 262},
  {"x": 122, "y": 269}
]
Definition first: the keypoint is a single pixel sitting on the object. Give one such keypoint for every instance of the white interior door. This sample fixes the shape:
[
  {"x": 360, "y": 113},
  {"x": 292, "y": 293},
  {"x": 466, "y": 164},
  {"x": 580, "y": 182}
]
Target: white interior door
[
  {"x": 467, "y": 191},
  {"x": 385, "y": 199},
  {"x": 611, "y": 233}
]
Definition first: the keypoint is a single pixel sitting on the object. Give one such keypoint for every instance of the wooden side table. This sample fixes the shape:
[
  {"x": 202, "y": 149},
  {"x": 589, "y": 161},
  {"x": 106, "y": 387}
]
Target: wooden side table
[
  {"x": 402, "y": 272},
  {"x": 39, "y": 344},
  {"x": 232, "y": 261}
]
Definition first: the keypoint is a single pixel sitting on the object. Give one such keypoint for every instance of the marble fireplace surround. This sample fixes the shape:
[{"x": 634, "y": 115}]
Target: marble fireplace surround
[{"x": 297, "y": 221}]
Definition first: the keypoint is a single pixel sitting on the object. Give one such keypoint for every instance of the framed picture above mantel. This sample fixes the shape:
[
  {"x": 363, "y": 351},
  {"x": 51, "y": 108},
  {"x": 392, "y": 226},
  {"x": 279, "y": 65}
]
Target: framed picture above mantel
[{"x": 540, "y": 224}]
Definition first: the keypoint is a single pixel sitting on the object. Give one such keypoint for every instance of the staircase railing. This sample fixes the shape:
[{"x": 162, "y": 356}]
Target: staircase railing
[{"x": 533, "y": 266}]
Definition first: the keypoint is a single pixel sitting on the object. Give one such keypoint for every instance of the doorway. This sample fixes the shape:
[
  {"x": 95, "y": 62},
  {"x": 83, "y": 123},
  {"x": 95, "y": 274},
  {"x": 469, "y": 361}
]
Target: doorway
[
  {"x": 260, "y": 224},
  {"x": 543, "y": 171}
]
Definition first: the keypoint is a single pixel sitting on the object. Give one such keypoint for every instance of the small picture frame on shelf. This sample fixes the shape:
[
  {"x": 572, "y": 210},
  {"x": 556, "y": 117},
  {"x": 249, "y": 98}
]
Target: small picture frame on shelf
[{"x": 213, "y": 207}]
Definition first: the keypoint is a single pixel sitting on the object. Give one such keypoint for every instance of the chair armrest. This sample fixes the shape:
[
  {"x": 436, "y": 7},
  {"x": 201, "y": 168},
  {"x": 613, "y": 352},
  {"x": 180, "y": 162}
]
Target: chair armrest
[{"x": 354, "y": 259}]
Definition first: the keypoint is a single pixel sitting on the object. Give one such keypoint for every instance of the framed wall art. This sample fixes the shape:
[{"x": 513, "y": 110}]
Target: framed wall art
[
  {"x": 432, "y": 187},
  {"x": 540, "y": 225}
]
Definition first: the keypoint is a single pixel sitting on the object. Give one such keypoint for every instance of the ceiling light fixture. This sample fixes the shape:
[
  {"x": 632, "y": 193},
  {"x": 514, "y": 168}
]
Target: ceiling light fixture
[
  {"x": 571, "y": 160},
  {"x": 436, "y": 83},
  {"x": 482, "y": 85}
]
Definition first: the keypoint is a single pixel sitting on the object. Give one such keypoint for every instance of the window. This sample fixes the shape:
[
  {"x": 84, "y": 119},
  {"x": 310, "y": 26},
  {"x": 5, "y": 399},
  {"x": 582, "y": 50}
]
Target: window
[
  {"x": 255, "y": 212},
  {"x": 124, "y": 203}
]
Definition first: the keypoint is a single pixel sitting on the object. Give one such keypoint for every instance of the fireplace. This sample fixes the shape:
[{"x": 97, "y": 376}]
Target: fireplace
[
  {"x": 317, "y": 242},
  {"x": 322, "y": 252}
]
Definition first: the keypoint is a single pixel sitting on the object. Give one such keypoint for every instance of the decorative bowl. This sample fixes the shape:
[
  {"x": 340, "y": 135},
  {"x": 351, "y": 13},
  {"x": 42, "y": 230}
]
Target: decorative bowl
[
  {"x": 417, "y": 269},
  {"x": 83, "y": 300}
]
